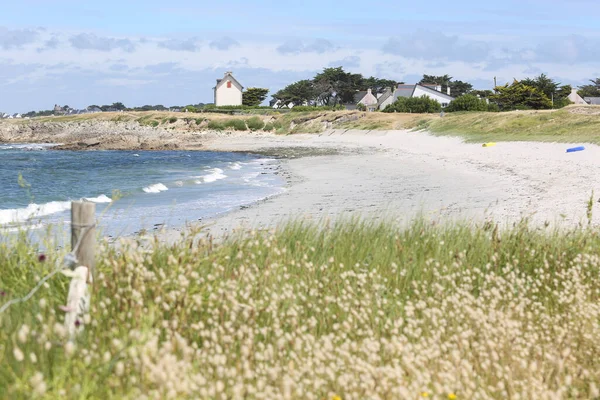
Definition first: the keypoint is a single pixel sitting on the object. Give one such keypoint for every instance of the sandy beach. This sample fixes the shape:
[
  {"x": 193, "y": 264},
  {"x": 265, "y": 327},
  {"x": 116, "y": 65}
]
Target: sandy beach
[{"x": 400, "y": 174}]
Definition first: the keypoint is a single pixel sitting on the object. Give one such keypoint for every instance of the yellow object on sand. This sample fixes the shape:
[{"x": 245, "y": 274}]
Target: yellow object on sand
[{"x": 489, "y": 144}]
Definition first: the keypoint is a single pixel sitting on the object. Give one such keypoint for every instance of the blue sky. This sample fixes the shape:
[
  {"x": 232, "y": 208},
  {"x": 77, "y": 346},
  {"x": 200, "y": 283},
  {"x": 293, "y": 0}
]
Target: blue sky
[{"x": 170, "y": 52}]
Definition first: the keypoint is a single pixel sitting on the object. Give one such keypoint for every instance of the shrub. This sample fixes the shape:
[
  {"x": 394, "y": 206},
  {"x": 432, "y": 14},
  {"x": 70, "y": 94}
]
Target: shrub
[
  {"x": 190, "y": 109},
  {"x": 468, "y": 102},
  {"x": 216, "y": 125},
  {"x": 172, "y": 120},
  {"x": 493, "y": 107},
  {"x": 235, "y": 124},
  {"x": 269, "y": 127},
  {"x": 200, "y": 120},
  {"x": 255, "y": 123},
  {"x": 419, "y": 105},
  {"x": 361, "y": 107}
]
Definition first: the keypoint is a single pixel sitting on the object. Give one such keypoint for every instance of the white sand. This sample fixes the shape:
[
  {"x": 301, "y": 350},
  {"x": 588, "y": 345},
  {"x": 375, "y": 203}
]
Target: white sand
[{"x": 398, "y": 174}]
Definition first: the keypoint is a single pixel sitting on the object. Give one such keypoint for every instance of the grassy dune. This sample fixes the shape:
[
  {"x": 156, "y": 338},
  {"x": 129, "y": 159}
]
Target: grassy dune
[
  {"x": 349, "y": 311},
  {"x": 572, "y": 124}
]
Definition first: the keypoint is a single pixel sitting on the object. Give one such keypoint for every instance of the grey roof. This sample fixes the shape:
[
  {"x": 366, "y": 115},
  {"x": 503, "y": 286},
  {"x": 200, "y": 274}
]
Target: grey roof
[
  {"x": 384, "y": 96},
  {"x": 358, "y": 96},
  {"x": 592, "y": 100},
  {"x": 404, "y": 91},
  {"x": 437, "y": 92}
]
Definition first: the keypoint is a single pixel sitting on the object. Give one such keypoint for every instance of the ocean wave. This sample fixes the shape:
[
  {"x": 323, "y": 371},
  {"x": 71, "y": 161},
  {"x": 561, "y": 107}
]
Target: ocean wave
[
  {"x": 235, "y": 166},
  {"x": 32, "y": 211},
  {"x": 215, "y": 175},
  {"x": 100, "y": 199},
  {"x": 17, "y": 215},
  {"x": 26, "y": 146},
  {"x": 156, "y": 188}
]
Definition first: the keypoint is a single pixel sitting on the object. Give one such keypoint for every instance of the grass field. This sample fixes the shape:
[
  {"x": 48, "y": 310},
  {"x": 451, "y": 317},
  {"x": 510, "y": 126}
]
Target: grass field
[
  {"x": 346, "y": 311},
  {"x": 572, "y": 125}
]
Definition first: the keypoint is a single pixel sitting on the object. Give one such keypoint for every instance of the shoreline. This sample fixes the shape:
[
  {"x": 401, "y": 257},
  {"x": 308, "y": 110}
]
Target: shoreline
[
  {"x": 398, "y": 175},
  {"x": 402, "y": 175}
]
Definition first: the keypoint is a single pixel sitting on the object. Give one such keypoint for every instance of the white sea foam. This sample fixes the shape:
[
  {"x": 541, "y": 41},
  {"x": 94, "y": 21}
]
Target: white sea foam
[
  {"x": 136, "y": 155},
  {"x": 32, "y": 211},
  {"x": 215, "y": 175},
  {"x": 17, "y": 215},
  {"x": 179, "y": 183},
  {"x": 100, "y": 199},
  {"x": 156, "y": 188},
  {"x": 235, "y": 166}
]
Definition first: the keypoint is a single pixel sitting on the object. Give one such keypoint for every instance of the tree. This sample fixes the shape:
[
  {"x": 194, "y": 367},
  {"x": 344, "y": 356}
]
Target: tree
[
  {"x": 253, "y": 97},
  {"x": 459, "y": 88},
  {"x": 119, "y": 106},
  {"x": 592, "y": 90},
  {"x": 297, "y": 93},
  {"x": 443, "y": 81},
  {"x": 378, "y": 85},
  {"x": 331, "y": 87},
  {"x": 553, "y": 90},
  {"x": 520, "y": 96}
]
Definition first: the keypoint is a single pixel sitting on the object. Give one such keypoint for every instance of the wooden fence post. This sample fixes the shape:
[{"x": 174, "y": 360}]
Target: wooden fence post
[
  {"x": 83, "y": 244},
  {"x": 83, "y": 227}
]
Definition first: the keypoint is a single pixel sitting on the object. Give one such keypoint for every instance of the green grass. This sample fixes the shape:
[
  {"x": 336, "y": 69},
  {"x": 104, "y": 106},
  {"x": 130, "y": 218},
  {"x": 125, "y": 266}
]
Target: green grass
[
  {"x": 356, "y": 309},
  {"x": 545, "y": 126},
  {"x": 255, "y": 124}
]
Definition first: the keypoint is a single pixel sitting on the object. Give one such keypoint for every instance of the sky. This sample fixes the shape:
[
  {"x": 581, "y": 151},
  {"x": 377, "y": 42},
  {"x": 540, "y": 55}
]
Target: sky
[{"x": 79, "y": 53}]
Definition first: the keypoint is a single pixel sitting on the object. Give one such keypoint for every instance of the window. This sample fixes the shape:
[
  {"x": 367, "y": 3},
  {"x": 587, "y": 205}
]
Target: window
[
  {"x": 228, "y": 84},
  {"x": 444, "y": 105}
]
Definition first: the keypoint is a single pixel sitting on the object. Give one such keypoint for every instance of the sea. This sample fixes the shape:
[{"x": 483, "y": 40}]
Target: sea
[{"x": 133, "y": 191}]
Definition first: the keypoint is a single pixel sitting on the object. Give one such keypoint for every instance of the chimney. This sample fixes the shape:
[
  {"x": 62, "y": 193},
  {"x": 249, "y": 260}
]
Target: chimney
[
  {"x": 448, "y": 90},
  {"x": 438, "y": 88},
  {"x": 228, "y": 73},
  {"x": 369, "y": 91}
]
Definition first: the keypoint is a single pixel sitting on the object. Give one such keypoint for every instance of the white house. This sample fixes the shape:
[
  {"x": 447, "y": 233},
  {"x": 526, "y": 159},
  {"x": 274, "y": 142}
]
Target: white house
[
  {"x": 432, "y": 91},
  {"x": 364, "y": 97},
  {"x": 228, "y": 91},
  {"x": 385, "y": 99},
  {"x": 575, "y": 98}
]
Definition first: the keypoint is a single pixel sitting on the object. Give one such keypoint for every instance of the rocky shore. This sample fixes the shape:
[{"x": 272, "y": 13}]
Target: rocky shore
[{"x": 112, "y": 135}]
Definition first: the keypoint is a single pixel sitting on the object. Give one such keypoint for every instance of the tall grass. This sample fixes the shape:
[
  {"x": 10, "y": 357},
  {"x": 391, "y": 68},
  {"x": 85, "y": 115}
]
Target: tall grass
[
  {"x": 312, "y": 311},
  {"x": 546, "y": 126}
]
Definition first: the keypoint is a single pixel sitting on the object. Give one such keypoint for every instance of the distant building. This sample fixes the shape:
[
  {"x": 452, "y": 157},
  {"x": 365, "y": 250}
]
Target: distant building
[
  {"x": 385, "y": 99},
  {"x": 228, "y": 91},
  {"x": 594, "y": 101},
  {"x": 576, "y": 98},
  {"x": 58, "y": 110},
  {"x": 432, "y": 91},
  {"x": 365, "y": 98},
  {"x": 93, "y": 109}
]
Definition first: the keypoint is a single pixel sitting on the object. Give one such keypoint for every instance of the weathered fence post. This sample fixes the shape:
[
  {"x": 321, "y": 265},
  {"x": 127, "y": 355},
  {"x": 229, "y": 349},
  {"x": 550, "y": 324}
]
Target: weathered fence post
[
  {"x": 83, "y": 245},
  {"x": 83, "y": 228}
]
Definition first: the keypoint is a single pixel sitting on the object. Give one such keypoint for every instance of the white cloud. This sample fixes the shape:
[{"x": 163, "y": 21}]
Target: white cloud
[
  {"x": 89, "y": 41},
  {"x": 183, "y": 70}
]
